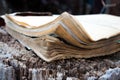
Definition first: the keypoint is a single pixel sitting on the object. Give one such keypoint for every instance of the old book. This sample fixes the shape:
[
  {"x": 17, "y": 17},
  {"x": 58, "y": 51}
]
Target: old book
[{"x": 64, "y": 36}]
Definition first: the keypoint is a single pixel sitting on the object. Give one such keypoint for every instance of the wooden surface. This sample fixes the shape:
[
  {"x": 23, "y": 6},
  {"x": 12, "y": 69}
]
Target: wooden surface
[{"x": 17, "y": 63}]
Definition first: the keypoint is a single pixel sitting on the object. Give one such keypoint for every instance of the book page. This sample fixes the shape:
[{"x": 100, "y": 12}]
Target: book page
[{"x": 100, "y": 26}]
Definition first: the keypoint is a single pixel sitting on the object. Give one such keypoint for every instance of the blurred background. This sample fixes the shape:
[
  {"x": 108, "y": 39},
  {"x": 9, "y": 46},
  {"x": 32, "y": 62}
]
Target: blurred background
[{"x": 76, "y": 7}]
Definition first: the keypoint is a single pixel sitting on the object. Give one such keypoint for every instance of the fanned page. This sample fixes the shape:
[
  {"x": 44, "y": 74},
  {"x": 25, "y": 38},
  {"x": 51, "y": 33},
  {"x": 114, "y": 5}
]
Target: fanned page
[
  {"x": 99, "y": 26},
  {"x": 74, "y": 31}
]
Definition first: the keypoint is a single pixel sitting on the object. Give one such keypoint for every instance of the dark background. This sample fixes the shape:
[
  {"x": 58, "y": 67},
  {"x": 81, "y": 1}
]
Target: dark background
[{"x": 58, "y": 6}]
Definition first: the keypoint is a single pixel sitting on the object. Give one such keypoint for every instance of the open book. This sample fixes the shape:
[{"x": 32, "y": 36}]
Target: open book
[{"x": 65, "y": 36}]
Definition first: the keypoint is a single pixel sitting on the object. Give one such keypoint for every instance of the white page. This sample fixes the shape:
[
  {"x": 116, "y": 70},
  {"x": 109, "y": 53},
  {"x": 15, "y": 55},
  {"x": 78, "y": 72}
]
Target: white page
[{"x": 100, "y": 26}]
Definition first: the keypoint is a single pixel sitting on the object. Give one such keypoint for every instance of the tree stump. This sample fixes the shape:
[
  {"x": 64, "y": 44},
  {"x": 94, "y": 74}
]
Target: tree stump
[{"x": 19, "y": 63}]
